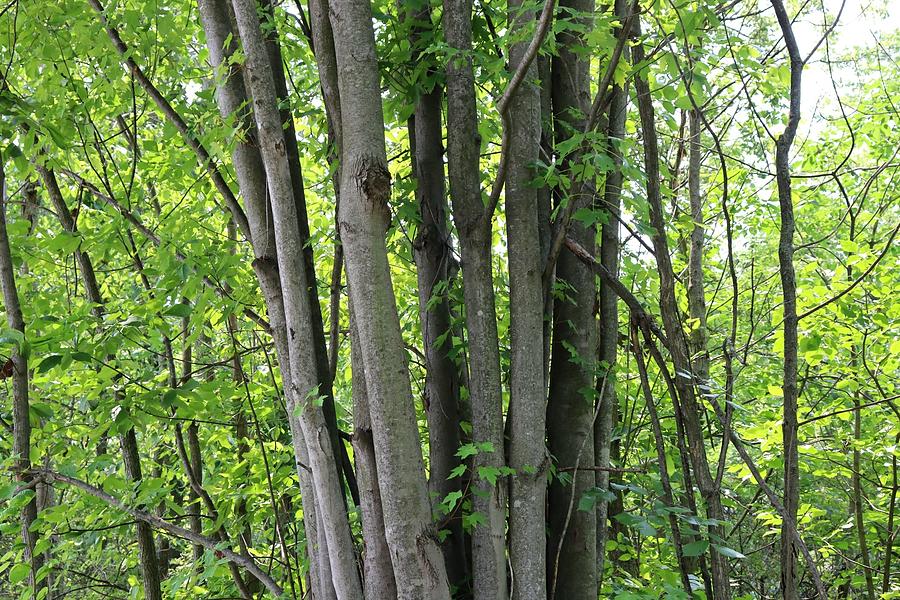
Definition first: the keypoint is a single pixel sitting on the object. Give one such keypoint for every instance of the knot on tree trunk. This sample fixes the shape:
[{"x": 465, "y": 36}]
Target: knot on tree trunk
[{"x": 374, "y": 182}]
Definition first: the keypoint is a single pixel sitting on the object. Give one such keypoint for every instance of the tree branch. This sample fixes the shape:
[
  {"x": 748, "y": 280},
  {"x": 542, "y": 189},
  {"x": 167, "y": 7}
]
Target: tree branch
[
  {"x": 172, "y": 115},
  {"x": 243, "y": 560}
]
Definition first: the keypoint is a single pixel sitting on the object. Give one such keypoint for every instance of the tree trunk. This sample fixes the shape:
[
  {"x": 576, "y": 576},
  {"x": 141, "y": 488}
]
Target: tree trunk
[
  {"x": 474, "y": 231},
  {"x": 696, "y": 297},
  {"x": 572, "y": 539},
  {"x": 432, "y": 255},
  {"x": 363, "y": 219},
  {"x": 668, "y": 497},
  {"x": 528, "y": 406},
  {"x": 305, "y": 363},
  {"x": 326, "y": 392},
  {"x": 789, "y": 575},
  {"x": 695, "y": 290},
  {"x": 146, "y": 545},
  {"x": 608, "y": 303},
  {"x": 377, "y": 568},
  {"x": 892, "y": 512},
  {"x": 858, "y": 512},
  {"x": 692, "y": 409},
  {"x": 232, "y": 99},
  {"x": 21, "y": 418}
]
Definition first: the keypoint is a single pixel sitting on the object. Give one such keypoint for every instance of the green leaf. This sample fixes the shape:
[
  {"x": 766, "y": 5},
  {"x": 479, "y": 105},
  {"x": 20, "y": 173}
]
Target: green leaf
[
  {"x": 41, "y": 410},
  {"x": 489, "y": 474},
  {"x": 466, "y": 450},
  {"x": 19, "y": 573},
  {"x": 457, "y": 472},
  {"x": 49, "y": 362},
  {"x": 12, "y": 337},
  {"x": 178, "y": 310},
  {"x": 169, "y": 397},
  {"x": 82, "y": 357},
  {"x": 695, "y": 548},
  {"x": 451, "y": 499}
]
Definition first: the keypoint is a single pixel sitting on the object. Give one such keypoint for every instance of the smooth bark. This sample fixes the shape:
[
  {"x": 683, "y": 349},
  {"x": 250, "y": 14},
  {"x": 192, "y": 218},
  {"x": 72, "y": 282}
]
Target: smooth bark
[
  {"x": 433, "y": 255},
  {"x": 323, "y": 369},
  {"x": 489, "y": 579},
  {"x": 695, "y": 290},
  {"x": 364, "y": 215},
  {"x": 608, "y": 305},
  {"x": 378, "y": 573},
  {"x": 305, "y": 363},
  {"x": 231, "y": 97}
]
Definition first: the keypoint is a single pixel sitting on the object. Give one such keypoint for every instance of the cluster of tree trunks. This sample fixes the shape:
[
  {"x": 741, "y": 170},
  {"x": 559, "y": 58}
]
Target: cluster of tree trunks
[{"x": 532, "y": 539}]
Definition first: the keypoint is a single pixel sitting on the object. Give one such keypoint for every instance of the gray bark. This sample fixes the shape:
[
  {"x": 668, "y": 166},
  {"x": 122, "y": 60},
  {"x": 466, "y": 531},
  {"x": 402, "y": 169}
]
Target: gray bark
[
  {"x": 857, "y": 502},
  {"x": 696, "y": 298},
  {"x": 305, "y": 363},
  {"x": 432, "y": 255},
  {"x": 377, "y": 567},
  {"x": 431, "y": 252},
  {"x": 146, "y": 546},
  {"x": 608, "y": 303},
  {"x": 695, "y": 291},
  {"x": 231, "y": 98},
  {"x": 572, "y": 540},
  {"x": 609, "y": 313},
  {"x": 196, "y": 459},
  {"x": 527, "y": 410},
  {"x": 463, "y": 148},
  {"x": 364, "y": 214},
  {"x": 323, "y": 368},
  {"x": 326, "y": 62}
]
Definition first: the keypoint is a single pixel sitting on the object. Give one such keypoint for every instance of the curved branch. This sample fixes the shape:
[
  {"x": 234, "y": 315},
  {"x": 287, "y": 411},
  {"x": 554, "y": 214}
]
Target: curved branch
[
  {"x": 518, "y": 77},
  {"x": 172, "y": 115},
  {"x": 242, "y": 560},
  {"x": 887, "y": 247}
]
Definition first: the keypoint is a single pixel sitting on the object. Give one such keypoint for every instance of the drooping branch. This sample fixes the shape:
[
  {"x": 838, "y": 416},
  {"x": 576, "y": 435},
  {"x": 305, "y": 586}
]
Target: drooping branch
[
  {"x": 650, "y": 329},
  {"x": 243, "y": 560},
  {"x": 609, "y": 279}
]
